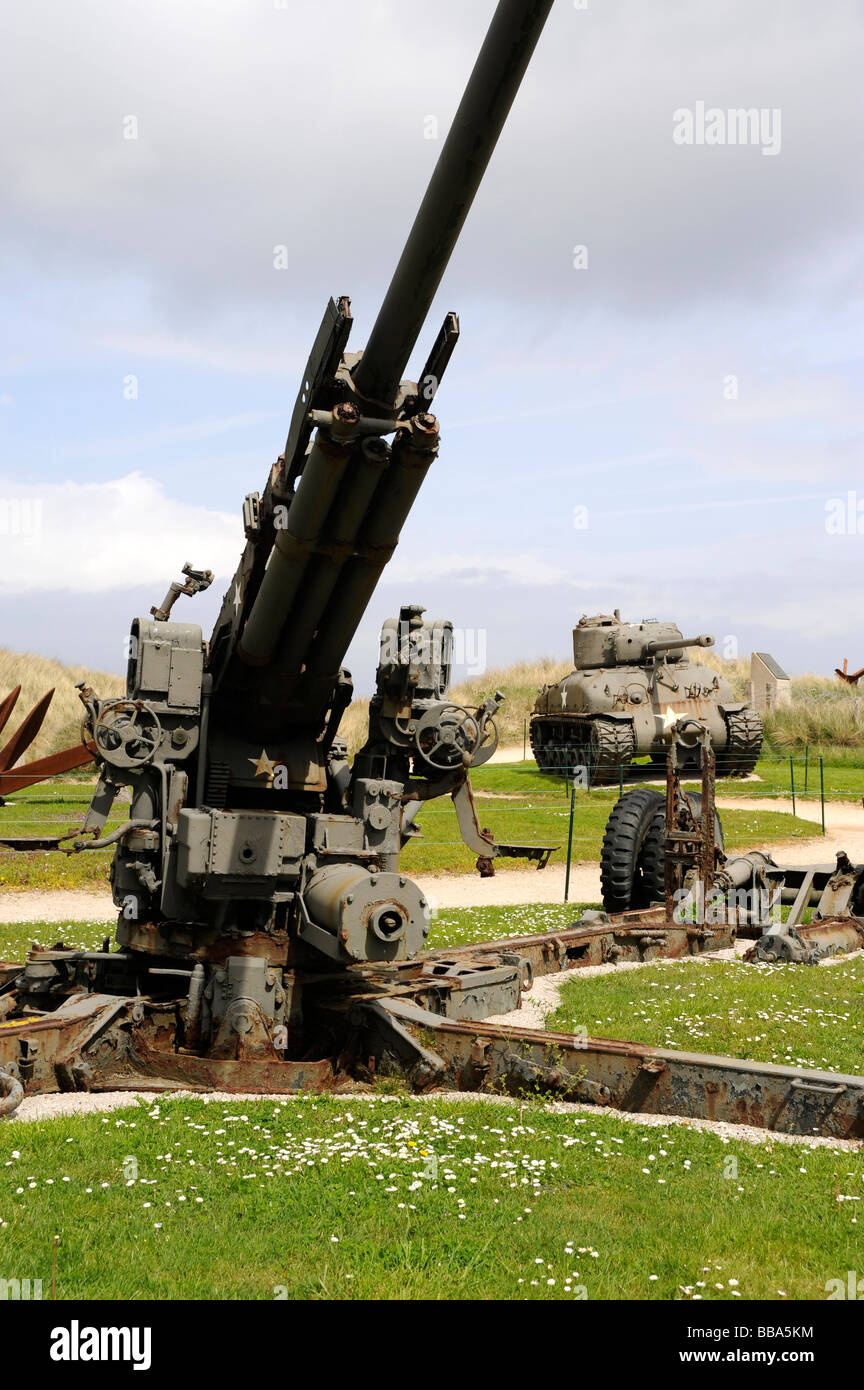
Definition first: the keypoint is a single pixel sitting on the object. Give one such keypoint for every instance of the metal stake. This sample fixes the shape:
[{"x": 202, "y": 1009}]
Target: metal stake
[{"x": 569, "y": 844}]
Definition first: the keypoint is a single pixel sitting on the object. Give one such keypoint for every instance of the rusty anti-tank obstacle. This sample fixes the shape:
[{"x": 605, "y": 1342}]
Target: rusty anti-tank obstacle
[
  {"x": 14, "y": 775},
  {"x": 848, "y": 677}
]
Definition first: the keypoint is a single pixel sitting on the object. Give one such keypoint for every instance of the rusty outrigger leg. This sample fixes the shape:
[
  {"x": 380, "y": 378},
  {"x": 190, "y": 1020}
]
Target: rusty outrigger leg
[
  {"x": 633, "y": 1076},
  {"x": 630, "y": 937}
]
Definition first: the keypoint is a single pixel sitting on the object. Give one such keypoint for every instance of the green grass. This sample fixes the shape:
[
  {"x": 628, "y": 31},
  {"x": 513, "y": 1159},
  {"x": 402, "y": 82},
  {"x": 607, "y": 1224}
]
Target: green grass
[
  {"x": 54, "y": 808},
  {"x": 798, "y": 1015},
  {"x": 843, "y": 775},
  {"x": 16, "y": 938},
  {"x": 831, "y": 754},
  {"x": 338, "y": 1199},
  {"x": 518, "y": 803},
  {"x": 843, "y": 781},
  {"x": 467, "y": 925},
  {"x": 526, "y": 822}
]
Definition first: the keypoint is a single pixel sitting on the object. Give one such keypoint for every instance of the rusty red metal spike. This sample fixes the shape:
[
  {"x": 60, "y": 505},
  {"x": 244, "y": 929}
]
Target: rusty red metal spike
[
  {"x": 7, "y": 706},
  {"x": 15, "y": 776},
  {"x": 849, "y": 677},
  {"x": 26, "y": 774},
  {"x": 25, "y": 733}
]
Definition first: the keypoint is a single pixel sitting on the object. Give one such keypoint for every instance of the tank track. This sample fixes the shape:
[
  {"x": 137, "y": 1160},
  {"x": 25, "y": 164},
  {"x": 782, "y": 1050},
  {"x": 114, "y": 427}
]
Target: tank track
[
  {"x": 743, "y": 744},
  {"x": 600, "y": 744}
]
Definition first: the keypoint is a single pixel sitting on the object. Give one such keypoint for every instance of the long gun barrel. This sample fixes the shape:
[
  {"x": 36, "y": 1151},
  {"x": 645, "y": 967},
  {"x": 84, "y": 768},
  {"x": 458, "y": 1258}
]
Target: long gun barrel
[
  {"x": 677, "y": 644},
  {"x": 493, "y": 85},
  {"x": 330, "y": 517}
]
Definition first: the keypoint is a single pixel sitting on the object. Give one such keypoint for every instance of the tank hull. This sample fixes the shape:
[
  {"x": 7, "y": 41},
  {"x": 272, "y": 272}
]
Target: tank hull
[{"x": 601, "y": 719}]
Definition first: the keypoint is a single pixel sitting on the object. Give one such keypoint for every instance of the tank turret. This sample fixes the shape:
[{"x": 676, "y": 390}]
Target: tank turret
[
  {"x": 605, "y": 641},
  {"x": 629, "y": 681}
]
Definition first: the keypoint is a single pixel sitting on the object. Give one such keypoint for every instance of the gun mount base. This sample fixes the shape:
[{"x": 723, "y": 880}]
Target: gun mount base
[{"x": 423, "y": 1021}]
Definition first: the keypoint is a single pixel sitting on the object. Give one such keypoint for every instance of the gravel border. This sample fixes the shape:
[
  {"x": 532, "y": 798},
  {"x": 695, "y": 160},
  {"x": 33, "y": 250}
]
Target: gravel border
[{"x": 50, "y": 1107}]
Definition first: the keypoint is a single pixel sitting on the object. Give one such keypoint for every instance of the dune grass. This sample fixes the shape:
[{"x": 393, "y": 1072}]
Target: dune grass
[{"x": 37, "y": 675}]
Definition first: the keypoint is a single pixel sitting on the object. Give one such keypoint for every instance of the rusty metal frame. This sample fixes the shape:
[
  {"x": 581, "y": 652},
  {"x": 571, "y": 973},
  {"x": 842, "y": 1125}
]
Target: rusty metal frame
[
  {"x": 634, "y": 1077},
  {"x": 420, "y": 1020}
]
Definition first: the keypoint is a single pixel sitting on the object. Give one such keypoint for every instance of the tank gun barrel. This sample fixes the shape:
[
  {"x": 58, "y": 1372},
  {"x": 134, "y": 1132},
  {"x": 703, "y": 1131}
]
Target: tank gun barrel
[
  {"x": 491, "y": 89},
  {"x": 677, "y": 644}
]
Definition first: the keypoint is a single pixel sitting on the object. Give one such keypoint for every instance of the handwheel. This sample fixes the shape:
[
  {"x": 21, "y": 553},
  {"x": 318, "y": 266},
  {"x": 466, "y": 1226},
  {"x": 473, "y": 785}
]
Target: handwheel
[
  {"x": 447, "y": 737},
  {"x": 127, "y": 733}
]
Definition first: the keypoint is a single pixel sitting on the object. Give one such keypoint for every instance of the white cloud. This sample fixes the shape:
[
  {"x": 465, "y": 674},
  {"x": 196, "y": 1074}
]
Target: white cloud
[{"x": 95, "y": 537}]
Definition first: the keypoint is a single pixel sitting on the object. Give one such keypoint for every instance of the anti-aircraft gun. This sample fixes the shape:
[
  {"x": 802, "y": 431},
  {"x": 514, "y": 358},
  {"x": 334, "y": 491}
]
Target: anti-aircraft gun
[
  {"x": 268, "y": 940},
  {"x": 253, "y": 851}
]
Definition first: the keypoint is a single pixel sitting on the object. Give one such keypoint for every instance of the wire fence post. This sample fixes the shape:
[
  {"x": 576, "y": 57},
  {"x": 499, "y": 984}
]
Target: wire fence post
[
  {"x": 792, "y": 781},
  {"x": 806, "y": 763},
  {"x": 620, "y": 780},
  {"x": 569, "y": 844},
  {"x": 524, "y": 738},
  {"x": 822, "y": 788}
]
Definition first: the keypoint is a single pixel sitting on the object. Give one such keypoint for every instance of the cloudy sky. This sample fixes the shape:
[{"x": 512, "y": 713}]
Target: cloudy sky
[{"x": 673, "y": 429}]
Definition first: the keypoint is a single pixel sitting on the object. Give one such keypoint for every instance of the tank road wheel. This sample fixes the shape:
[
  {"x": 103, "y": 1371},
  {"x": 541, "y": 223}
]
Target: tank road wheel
[
  {"x": 611, "y": 743},
  {"x": 622, "y": 882},
  {"x": 743, "y": 743},
  {"x": 652, "y": 858},
  {"x": 550, "y": 747},
  {"x": 542, "y": 752}
]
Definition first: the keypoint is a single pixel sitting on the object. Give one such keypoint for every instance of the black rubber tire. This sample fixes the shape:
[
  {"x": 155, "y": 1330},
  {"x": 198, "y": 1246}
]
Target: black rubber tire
[
  {"x": 622, "y": 883},
  {"x": 652, "y": 859}
]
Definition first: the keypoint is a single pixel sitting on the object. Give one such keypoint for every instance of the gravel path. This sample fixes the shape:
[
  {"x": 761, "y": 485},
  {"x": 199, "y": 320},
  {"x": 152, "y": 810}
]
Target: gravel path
[
  {"x": 59, "y": 1106},
  {"x": 56, "y": 906}
]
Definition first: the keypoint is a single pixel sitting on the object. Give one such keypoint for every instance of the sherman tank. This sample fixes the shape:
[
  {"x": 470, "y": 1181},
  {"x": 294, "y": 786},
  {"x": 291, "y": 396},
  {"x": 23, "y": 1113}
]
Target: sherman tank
[{"x": 632, "y": 680}]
